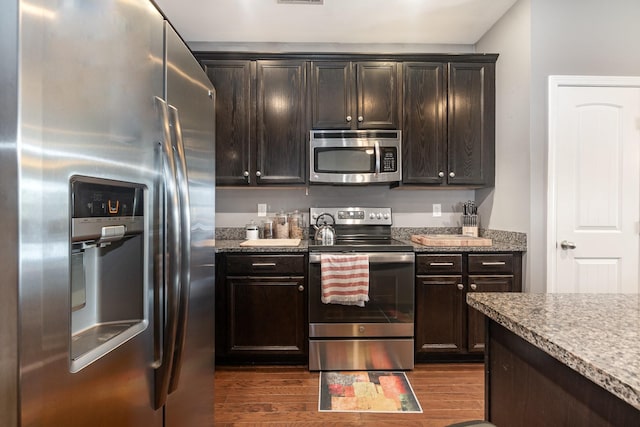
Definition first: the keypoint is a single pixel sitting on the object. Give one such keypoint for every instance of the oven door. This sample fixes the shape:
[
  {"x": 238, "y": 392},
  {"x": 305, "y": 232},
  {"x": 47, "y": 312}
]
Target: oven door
[{"x": 389, "y": 311}]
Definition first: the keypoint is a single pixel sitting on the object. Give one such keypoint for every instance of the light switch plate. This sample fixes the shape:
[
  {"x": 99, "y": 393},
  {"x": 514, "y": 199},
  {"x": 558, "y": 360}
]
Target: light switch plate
[
  {"x": 437, "y": 209},
  {"x": 262, "y": 209}
]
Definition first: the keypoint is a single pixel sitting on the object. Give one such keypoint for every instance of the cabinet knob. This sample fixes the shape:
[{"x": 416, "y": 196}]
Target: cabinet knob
[
  {"x": 301, "y": 288},
  {"x": 452, "y": 174},
  {"x": 441, "y": 174},
  {"x": 258, "y": 173},
  {"x": 474, "y": 286},
  {"x": 460, "y": 286},
  {"x": 360, "y": 118},
  {"x": 349, "y": 118},
  {"x": 246, "y": 173}
]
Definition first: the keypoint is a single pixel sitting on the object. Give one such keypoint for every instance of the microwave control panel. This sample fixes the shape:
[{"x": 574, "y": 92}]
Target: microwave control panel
[{"x": 389, "y": 159}]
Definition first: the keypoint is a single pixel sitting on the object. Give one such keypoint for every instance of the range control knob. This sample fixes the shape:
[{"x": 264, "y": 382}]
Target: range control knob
[
  {"x": 386, "y": 216},
  {"x": 379, "y": 215},
  {"x": 372, "y": 215}
]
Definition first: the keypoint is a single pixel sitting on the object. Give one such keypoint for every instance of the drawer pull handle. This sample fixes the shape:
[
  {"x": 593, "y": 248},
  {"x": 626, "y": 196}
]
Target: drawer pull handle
[
  {"x": 263, "y": 264},
  {"x": 493, "y": 263},
  {"x": 440, "y": 264}
]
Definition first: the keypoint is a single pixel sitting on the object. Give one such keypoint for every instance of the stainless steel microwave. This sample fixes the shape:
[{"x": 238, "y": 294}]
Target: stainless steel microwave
[{"x": 355, "y": 156}]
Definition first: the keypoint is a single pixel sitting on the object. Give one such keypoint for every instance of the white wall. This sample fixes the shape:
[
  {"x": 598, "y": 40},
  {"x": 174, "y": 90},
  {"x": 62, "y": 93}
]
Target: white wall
[
  {"x": 506, "y": 206},
  {"x": 571, "y": 37},
  {"x": 411, "y": 208}
]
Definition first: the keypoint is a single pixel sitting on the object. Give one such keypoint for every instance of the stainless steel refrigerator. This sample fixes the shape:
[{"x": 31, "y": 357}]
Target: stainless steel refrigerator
[{"x": 107, "y": 206}]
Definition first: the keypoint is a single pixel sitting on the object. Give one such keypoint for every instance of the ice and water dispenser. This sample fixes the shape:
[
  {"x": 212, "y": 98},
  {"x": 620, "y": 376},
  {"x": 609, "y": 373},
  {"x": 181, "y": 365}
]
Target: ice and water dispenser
[{"x": 108, "y": 259}]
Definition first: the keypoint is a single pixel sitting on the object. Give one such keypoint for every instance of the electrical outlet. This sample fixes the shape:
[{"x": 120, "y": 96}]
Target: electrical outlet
[
  {"x": 262, "y": 209},
  {"x": 437, "y": 209}
]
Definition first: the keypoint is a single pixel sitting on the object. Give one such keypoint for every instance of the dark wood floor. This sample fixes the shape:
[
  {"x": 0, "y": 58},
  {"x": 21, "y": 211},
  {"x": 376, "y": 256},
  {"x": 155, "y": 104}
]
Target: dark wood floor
[{"x": 288, "y": 395}]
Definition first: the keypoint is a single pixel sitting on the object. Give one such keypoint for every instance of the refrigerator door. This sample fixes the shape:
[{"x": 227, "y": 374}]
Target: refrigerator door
[
  {"x": 89, "y": 71},
  {"x": 191, "y": 100}
]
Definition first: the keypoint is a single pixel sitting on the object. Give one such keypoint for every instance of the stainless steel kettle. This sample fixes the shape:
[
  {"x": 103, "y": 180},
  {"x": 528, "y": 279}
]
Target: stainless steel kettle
[{"x": 325, "y": 233}]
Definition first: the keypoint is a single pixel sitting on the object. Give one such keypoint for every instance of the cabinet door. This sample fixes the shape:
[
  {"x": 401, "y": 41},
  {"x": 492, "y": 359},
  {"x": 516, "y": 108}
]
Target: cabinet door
[
  {"x": 234, "y": 124},
  {"x": 471, "y": 124},
  {"x": 332, "y": 95},
  {"x": 424, "y": 142},
  {"x": 281, "y": 122},
  {"x": 377, "y": 95},
  {"x": 439, "y": 305},
  {"x": 475, "y": 319},
  {"x": 266, "y": 316}
]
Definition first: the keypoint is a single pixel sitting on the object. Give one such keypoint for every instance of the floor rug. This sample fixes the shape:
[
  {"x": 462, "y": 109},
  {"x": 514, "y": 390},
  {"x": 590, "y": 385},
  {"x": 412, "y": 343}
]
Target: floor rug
[{"x": 367, "y": 391}]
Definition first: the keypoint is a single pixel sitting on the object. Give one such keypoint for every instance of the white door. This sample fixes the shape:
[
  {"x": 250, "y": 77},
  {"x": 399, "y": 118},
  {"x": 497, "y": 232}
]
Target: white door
[{"x": 594, "y": 184}]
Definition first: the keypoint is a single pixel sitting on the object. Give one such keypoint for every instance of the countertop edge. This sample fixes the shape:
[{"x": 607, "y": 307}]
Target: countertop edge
[
  {"x": 232, "y": 245},
  {"x": 594, "y": 373}
]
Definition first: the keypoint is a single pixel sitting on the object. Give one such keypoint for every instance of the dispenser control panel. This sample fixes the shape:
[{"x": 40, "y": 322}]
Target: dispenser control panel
[{"x": 103, "y": 210}]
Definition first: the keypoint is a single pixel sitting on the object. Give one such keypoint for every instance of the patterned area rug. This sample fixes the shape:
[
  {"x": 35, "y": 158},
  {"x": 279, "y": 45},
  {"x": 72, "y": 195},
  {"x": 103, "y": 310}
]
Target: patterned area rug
[{"x": 366, "y": 391}]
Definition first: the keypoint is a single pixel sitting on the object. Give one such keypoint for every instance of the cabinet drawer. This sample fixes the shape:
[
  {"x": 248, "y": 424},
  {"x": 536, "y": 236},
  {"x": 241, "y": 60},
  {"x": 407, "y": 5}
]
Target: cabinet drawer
[
  {"x": 496, "y": 263},
  {"x": 246, "y": 265},
  {"x": 437, "y": 264}
]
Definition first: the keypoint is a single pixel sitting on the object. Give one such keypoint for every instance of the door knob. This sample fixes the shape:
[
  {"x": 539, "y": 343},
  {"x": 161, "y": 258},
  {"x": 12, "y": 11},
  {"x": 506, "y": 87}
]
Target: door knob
[{"x": 567, "y": 245}]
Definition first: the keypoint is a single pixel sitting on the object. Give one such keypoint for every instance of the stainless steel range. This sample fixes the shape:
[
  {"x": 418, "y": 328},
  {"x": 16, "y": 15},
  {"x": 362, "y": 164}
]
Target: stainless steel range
[{"x": 379, "y": 333}]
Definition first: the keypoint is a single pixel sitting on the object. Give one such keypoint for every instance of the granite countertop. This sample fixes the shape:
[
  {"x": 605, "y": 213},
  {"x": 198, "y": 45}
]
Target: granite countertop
[
  {"x": 597, "y": 335},
  {"x": 234, "y": 246},
  {"x": 229, "y": 239},
  {"x": 497, "y": 246}
]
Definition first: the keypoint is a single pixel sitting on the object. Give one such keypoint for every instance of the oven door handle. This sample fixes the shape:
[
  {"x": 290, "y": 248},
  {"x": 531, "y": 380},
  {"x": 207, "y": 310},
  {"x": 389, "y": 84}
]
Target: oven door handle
[{"x": 374, "y": 257}]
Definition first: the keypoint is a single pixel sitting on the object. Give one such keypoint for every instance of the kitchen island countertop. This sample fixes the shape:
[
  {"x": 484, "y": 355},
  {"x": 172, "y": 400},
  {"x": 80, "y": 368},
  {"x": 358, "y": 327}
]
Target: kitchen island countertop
[{"x": 596, "y": 335}]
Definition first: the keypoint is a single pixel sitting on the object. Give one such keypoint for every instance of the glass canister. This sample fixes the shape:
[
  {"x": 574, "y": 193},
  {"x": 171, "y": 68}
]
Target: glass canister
[
  {"x": 281, "y": 226},
  {"x": 251, "y": 230},
  {"x": 267, "y": 229},
  {"x": 296, "y": 225}
]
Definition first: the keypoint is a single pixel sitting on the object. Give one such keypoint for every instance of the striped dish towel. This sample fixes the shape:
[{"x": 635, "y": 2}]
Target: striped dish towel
[{"x": 345, "y": 279}]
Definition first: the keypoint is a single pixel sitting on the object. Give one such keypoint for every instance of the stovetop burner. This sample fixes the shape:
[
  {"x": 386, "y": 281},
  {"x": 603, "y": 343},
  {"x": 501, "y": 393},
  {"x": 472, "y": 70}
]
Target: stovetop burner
[{"x": 357, "y": 229}]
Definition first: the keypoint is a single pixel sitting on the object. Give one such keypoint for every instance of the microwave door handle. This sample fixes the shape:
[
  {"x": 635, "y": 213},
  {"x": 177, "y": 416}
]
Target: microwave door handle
[{"x": 376, "y": 145}]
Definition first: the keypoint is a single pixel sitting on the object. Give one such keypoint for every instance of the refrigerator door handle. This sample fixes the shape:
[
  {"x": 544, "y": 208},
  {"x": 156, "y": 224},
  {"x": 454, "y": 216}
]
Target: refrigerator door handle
[
  {"x": 185, "y": 246},
  {"x": 172, "y": 269}
]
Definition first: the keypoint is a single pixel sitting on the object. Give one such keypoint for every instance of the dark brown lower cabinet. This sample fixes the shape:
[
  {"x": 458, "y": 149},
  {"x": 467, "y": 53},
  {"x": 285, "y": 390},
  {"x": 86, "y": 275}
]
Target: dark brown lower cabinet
[
  {"x": 262, "y": 309},
  {"x": 446, "y": 327},
  {"x": 525, "y": 387}
]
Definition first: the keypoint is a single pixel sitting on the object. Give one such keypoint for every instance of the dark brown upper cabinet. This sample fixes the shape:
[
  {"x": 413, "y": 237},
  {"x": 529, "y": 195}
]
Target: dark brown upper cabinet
[
  {"x": 261, "y": 121},
  {"x": 424, "y": 123},
  {"x": 449, "y": 123},
  {"x": 234, "y": 82},
  {"x": 355, "y": 95}
]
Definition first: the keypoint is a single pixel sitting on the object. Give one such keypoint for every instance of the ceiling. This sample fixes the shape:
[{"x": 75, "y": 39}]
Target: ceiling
[{"x": 336, "y": 21}]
